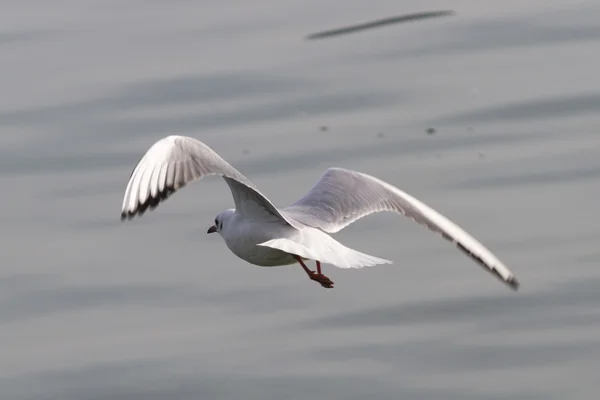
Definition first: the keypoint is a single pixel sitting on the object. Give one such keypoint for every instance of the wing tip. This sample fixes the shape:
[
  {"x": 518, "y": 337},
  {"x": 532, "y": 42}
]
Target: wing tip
[
  {"x": 510, "y": 281},
  {"x": 513, "y": 283},
  {"x": 128, "y": 216},
  {"x": 150, "y": 204}
]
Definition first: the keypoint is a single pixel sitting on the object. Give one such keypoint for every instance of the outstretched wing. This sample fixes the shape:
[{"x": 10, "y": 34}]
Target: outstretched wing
[
  {"x": 174, "y": 161},
  {"x": 341, "y": 197}
]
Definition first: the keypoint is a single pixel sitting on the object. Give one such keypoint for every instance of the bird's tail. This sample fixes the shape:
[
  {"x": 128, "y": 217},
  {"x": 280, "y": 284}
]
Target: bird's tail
[{"x": 341, "y": 256}]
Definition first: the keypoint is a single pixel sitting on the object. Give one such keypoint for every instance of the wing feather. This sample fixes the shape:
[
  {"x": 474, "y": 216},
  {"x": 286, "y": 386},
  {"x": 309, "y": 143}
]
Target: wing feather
[
  {"x": 342, "y": 196},
  {"x": 173, "y": 162}
]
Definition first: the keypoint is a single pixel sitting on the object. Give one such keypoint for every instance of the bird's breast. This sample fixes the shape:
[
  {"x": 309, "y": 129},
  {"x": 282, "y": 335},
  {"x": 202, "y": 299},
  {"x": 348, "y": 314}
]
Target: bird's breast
[{"x": 244, "y": 238}]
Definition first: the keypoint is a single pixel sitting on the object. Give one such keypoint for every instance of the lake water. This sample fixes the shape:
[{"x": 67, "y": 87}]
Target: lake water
[{"x": 92, "y": 308}]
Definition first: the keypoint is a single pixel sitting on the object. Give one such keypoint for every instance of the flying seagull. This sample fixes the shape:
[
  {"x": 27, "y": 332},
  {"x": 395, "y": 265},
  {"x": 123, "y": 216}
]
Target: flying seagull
[
  {"x": 379, "y": 23},
  {"x": 260, "y": 233}
]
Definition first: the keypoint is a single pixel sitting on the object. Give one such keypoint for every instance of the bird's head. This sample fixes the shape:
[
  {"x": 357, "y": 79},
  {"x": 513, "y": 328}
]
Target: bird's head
[{"x": 221, "y": 221}]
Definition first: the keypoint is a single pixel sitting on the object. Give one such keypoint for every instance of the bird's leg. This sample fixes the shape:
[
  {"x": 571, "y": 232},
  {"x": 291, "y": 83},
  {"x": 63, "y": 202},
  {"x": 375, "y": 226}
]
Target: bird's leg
[{"x": 316, "y": 276}]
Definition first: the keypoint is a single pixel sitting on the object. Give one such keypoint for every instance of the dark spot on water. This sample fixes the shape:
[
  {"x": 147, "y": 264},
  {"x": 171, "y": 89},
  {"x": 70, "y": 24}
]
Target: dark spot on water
[{"x": 378, "y": 23}]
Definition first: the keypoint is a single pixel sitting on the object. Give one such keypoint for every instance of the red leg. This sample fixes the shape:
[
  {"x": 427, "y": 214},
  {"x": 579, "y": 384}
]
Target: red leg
[
  {"x": 308, "y": 271},
  {"x": 316, "y": 276}
]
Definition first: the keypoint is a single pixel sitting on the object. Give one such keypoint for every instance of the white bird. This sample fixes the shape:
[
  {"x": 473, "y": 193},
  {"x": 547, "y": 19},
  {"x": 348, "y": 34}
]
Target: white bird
[{"x": 261, "y": 234}]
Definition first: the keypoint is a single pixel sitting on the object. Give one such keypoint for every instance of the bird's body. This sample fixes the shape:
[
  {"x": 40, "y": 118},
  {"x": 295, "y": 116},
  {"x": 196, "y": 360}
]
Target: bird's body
[
  {"x": 261, "y": 234},
  {"x": 246, "y": 234},
  {"x": 247, "y": 238}
]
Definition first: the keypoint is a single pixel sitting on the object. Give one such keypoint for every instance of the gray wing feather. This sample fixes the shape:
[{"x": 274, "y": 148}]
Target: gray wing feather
[
  {"x": 342, "y": 196},
  {"x": 173, "y": 162}
]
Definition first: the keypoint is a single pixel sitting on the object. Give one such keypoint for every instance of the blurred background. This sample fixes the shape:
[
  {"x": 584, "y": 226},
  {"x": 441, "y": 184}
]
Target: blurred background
[{"x": 490, "y": 116}]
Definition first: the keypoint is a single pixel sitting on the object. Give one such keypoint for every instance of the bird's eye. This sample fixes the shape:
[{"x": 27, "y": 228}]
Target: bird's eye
[{"x": 216, "y": 222}]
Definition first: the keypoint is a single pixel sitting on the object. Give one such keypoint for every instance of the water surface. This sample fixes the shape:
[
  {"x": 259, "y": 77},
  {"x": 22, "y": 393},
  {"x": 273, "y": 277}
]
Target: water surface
[{"x": 92, "y": 308}]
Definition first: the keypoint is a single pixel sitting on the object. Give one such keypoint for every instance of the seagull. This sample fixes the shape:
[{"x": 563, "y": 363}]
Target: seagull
[{"x": 261, "y": 234}]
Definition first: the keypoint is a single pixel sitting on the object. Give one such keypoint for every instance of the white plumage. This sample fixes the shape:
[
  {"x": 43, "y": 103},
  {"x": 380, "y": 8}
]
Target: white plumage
[{"x": 262, "y": 234}]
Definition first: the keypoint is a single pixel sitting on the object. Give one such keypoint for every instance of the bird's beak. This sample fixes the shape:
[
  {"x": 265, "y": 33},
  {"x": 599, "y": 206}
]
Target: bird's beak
[{"x": 212, "y": 229}]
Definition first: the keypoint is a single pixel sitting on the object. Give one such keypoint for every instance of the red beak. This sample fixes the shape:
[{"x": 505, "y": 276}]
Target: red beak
[{"x": 212, "y": 229}]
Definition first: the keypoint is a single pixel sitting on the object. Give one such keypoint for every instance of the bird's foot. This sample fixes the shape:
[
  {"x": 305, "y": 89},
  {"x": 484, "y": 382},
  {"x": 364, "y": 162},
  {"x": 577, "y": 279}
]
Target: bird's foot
[{"x": 322, "y": 279}]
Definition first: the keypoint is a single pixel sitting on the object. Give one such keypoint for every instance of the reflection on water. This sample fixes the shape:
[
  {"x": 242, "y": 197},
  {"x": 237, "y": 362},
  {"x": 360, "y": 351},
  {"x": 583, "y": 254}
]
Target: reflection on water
[{"x": 93, "y": 308}]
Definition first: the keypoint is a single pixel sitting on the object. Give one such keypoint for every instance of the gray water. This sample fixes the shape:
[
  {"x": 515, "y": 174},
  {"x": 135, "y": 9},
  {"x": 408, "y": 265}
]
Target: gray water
[{"x": 92, "y": 308}]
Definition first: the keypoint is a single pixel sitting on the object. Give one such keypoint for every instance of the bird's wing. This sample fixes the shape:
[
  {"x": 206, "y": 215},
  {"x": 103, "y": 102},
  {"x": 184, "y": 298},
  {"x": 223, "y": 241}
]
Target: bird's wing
[
  {"x": 174, "y": 161},
  {"x": 341, "y": 197}
]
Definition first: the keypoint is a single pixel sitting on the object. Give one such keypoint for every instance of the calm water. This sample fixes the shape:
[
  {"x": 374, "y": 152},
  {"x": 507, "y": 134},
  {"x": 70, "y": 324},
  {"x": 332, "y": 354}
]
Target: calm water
[{"x": 91, "y": 308}]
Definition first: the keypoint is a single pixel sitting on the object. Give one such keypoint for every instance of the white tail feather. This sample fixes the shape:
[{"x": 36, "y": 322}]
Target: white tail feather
[{"x": 342, "y": 257}]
